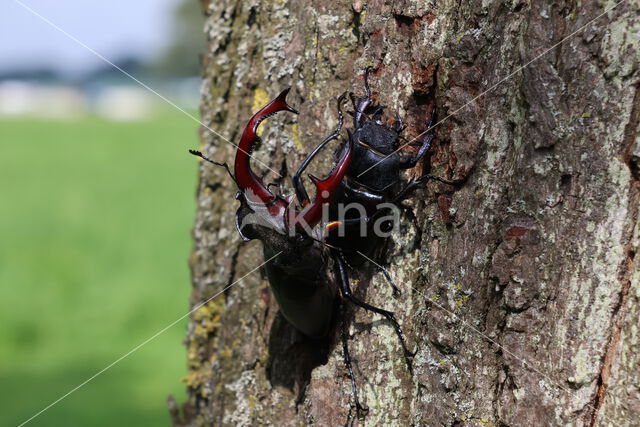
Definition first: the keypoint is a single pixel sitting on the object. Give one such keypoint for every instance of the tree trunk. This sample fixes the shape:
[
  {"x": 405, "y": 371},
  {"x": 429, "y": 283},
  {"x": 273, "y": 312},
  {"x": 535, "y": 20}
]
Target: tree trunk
[{"x": 520, "y": 287}]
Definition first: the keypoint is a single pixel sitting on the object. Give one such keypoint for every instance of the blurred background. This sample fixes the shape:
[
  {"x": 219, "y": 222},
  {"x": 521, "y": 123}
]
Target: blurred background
[{"x": 96, "y": 205}]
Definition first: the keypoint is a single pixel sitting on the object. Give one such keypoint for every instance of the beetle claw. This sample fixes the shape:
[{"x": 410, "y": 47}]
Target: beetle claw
[
  {"x": 246, "y": 179},
  {"x": 326, "y": 187}
]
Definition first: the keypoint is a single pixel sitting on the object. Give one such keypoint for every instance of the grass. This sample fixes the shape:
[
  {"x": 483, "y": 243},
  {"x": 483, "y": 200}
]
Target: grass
[{"x": 95, "y": 222}]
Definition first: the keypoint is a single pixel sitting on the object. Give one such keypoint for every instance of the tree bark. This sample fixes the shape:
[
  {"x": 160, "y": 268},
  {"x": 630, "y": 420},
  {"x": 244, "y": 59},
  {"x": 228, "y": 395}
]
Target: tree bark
[{"x": 520, "y": 287}]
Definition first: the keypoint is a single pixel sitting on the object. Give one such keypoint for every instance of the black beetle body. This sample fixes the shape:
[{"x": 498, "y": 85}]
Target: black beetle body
[
  {"x": 373, "y": 179},
  {"x": 299, "y": 282},
  {"x": 375, "y": 145},
  {"x": 305, "y": 294}
]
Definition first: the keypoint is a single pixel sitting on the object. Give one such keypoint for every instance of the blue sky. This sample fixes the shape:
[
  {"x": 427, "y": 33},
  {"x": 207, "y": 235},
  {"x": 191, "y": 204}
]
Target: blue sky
[{"x": 115, "y": 28}]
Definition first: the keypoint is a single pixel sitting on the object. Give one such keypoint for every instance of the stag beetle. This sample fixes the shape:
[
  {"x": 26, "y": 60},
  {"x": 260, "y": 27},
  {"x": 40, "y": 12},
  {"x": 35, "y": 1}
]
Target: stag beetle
[
  {"x": 291, "y": 228},
  {"x": 298, "y": 274},
  {"x": 375, "y": 145}
]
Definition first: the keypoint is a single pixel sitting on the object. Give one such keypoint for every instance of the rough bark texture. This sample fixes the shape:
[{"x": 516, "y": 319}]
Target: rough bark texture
[{"x": 521, "y": 288}]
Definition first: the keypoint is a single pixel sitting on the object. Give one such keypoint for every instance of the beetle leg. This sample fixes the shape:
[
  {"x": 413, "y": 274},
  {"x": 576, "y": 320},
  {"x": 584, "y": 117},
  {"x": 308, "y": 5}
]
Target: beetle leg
[
  {"x": 396, "y": 291},
  {"x": 345, "y": 290},
  {"x": 361, "y": 103},
  {"x": 407, "y": 162},
  {"x": 353, "y": 221},
  {"x": 377, "y": 114},
  {"x": 415, "y": 183},
  {"x": 344, "y": 333},
  {"x": 298, "y": 186},
  {"x": 398, "y": 125}
]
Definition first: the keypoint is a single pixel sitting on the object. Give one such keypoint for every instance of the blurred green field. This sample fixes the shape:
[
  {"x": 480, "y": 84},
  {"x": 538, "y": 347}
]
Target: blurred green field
[{"x": 95, "y": 221}]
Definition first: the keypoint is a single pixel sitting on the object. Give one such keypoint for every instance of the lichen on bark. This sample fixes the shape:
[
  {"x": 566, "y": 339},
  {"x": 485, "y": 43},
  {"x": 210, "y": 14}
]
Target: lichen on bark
[{"x": 520, "y": 288}]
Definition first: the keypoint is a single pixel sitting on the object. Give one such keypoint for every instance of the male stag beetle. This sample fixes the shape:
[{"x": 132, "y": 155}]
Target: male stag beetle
[{"x": 304, "y": 241}]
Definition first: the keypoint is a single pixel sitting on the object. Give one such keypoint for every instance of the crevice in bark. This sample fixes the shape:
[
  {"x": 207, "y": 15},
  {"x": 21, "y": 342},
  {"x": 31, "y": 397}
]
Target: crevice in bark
[
  {"x": 356, "y": 23},
  {"x": 407, "y": 25},
  {"x": 251, "y": 19},
  {"x": 316, "y": 57},
  {"x": 619, "y": 313},
  {"x": 213, "y": 187},
  {"x": 630, "y": 135},
  {"x": 618, "y": 323},
  {"x": 233, "y": 265}
]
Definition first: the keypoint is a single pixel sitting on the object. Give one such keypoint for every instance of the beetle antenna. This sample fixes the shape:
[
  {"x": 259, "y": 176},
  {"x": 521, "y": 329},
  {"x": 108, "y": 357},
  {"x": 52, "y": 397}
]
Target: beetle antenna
[
  {"x": 323, "y": 243},
  {"x": 223, "y": 164}
]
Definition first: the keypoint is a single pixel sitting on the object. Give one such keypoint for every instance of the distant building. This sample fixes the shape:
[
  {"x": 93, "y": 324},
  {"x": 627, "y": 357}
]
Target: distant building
[
  {"x": 113, "y": 99},
  {"x": 48, "y": 101}
]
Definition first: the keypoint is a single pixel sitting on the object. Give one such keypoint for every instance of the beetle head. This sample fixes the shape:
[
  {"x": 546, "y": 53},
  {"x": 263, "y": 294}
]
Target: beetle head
[
  {"x": 273, "y": 219},
  {"x": 378, "y": 137}
]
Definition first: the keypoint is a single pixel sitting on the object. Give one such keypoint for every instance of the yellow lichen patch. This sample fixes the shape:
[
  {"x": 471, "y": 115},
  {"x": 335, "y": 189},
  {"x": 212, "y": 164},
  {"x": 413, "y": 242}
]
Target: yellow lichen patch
[
  {"x": 197, "y": 377},
  {"x": 218, "y": 388},
  {"x": 207, "y": 318},
  {"x": 206, "y": 321},
  {"x": 460, "y": 301},
  {"x": 265, "y": 353},
  {"x": 295, "y": 133},
  {"x": 260, "y": 99},
  {"x": 253, "y": 401},
  {"x": 193, "y": 359},
  {"x": 226, "y": 353},
  {"x": 212, "y": 309},
  {"x": 200, "y": 331}
]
